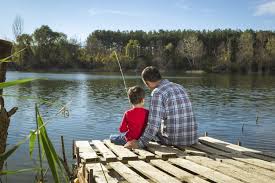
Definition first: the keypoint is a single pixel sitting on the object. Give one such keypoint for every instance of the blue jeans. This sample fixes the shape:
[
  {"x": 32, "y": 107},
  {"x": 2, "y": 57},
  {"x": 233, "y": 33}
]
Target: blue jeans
[{"x": 118, "y": 139}]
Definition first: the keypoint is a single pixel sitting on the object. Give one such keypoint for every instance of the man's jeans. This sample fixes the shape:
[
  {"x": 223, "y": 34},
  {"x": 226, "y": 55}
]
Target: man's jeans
[{"x": 118, "y": 139}]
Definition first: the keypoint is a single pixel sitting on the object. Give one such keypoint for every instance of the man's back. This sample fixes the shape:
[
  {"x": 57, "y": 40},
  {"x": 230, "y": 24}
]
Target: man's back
[{"x": 178, "y": 125}]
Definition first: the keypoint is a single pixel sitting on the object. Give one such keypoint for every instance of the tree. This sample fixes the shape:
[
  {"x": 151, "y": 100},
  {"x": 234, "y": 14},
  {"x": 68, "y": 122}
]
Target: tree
[
  {"x": 5, "y": 51},
  {"x": 270, "y": 47},
  {"x": 246, "y": 51},
  {"x": 132, "y": 48},
  {"x": 261, "y": 53},
  {"x": 47, "y": 47},
  {"x": 191, "y": 48},
  {"x": 94, "y": 46},
  {"x": 17, "y": 26},
  {"x": 223, "y": 56},
  {"x": 25, "y": 58}
]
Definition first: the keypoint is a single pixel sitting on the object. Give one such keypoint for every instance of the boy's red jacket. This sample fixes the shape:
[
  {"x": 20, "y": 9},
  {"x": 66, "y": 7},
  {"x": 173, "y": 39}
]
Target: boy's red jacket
[{"x": 134, "y": 122}]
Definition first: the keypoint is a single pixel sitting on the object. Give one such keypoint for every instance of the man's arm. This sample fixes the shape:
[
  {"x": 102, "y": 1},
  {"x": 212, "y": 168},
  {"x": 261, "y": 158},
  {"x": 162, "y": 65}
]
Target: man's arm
[{"x": 156, "y": 113}]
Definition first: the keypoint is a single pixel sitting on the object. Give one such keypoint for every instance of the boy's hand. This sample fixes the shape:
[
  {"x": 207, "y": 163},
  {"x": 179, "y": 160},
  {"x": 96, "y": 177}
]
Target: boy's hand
[{"x": 133, "y": 144}]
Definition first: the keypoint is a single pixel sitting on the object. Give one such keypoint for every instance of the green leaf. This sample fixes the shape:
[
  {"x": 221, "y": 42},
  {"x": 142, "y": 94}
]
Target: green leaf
[
  {"x": 7, "y": 58},
  {"x": 50, "y": 158},
  {"x": 32, "y": 142},
  {"x": 15, "y": 82},
  {"x": 51, "y": 155},
  {"x": 9, "y": 172}
]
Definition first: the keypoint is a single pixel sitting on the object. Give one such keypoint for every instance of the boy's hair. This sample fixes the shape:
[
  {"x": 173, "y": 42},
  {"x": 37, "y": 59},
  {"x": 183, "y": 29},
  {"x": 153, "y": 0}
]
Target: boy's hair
[
  {"x": 136, "y": 94},
  {"x": 151, "y": 74}
]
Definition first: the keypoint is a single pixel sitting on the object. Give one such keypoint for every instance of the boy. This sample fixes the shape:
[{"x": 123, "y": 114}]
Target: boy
[{"x": 134, "y": 120}]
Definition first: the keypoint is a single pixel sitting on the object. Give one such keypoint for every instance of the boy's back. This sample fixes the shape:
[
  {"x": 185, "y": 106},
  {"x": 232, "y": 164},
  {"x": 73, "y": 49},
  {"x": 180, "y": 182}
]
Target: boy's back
[{"x": 134, "y": 123}]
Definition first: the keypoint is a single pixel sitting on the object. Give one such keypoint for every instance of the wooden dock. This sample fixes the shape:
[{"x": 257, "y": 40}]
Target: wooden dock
[{"x": 211, "y": 160}]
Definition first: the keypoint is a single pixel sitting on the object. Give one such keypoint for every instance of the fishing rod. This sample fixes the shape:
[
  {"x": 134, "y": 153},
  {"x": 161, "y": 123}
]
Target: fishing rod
[{"x": 125, "y": 86}]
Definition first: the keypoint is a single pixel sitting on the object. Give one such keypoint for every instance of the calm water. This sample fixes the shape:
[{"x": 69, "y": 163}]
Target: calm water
[{"x": 222, "y": 104}]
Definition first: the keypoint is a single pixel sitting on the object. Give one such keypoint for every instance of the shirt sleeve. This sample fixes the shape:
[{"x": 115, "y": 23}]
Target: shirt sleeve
[
  {"x": 123, "y": 126},
  {"x": 156, "y": 113}
]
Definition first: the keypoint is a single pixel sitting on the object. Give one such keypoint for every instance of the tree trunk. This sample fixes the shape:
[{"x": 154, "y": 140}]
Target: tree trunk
[{"x": 5, "y": 51}]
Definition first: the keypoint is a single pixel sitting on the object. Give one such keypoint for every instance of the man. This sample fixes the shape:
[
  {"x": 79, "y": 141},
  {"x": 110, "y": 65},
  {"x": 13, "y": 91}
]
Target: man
[{"x": 171, "y": 118}]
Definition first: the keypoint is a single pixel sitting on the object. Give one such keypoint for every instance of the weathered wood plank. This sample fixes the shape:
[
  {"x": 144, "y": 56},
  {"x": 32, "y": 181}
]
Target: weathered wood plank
[
  {"x": 100, "y": 173},
  {"x": 144, "y": 154},
  {"x": 228, "y": 147},
  {"x": 164, "y": 151},
  {"x": 127, "y": 173},
  {"x": 151, "y": 172},
  {"x": 177, "y": 172},
  {"x": 256, "y": 162},
  {"x": 123, "y": 153},
  {"x": 106, "y": 153},
  {"x": 237, "y": 156},
  {"x": 247, "y": 167},
  {"x": 86, "y": 152},
  {"x": 203, "y": 171},
  {"x": 191, "y": 151},
  {"x": 229, "y": 159},
  {"x": 229, "y": 170}
]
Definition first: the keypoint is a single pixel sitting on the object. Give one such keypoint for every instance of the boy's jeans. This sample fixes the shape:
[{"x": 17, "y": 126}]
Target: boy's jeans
[{"x": 118, "y": 139}]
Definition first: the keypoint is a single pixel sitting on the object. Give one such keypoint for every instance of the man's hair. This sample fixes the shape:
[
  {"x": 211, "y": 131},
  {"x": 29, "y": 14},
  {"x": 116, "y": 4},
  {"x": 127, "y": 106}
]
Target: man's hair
[
  {"x": 151, "y": 74},
  {"x": 136, "y": 94}
]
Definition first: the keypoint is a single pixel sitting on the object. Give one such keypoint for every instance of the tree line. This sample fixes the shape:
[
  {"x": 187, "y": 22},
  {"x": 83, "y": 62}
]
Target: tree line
[{"x": 212, "y": 51}]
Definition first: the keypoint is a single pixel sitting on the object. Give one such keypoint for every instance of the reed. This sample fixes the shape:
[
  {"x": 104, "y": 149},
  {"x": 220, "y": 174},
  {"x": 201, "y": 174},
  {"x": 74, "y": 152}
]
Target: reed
[{"x": 47, "y": 148}]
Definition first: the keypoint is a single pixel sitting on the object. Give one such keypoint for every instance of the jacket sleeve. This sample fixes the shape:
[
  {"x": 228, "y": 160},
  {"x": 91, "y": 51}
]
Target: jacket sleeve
[
  {"x": 124, "y": 125},
  {"x": 156, "y": 113}
]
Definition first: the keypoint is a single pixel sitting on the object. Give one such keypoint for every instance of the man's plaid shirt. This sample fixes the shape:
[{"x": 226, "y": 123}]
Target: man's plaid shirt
[{"x": 171, "y": 118}]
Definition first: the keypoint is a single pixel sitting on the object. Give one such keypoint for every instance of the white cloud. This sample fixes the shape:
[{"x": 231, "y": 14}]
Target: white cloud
[
  {"x": 267, "y": 8},
  {"x": 94, "y": 12},
  {"x": 182, "y": 4}
]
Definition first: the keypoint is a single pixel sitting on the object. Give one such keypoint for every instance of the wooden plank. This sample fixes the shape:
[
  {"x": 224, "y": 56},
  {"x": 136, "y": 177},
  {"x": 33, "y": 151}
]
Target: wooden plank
[
  {"x": 228, "y": 147},
  {"x": 229, "y": 170},
  {"x": 247, "y": 167},
  {"x": 123, "y": 153},
  {"x": 152, "y": 173},
  {"x": 239, "y": 157},
  {"x": 191, "y": 151},
  {"x": 256, "y": 162},
  {"x": 229, "y": 159},
  {"x": 259, "y": 156},
  {"x": 100, "y": 173},
  {"x": 86, "y": 152},
  {"x": 106, "y": 153},
  {"x": 203, "y": 171},
  {"x": 164, "y": 151},
  {"x": 144, "y": 154},
  {"x": 127, "y": 173},
  {"x": 177, "y": 172}
]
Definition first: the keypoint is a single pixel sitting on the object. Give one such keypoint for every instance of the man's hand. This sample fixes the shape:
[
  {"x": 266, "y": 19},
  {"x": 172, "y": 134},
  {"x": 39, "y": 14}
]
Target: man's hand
[{"x": 133, "y": 144}]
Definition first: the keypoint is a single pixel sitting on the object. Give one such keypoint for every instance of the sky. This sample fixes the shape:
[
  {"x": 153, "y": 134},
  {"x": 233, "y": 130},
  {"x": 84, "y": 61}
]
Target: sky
[{"x": 79, "y": 18}]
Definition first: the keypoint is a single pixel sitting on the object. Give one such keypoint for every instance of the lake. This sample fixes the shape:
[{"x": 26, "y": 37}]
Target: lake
[{"x": 223, "y": 104}]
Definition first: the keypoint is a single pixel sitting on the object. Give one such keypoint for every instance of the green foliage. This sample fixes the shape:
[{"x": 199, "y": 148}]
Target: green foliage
[
  {"x": 217, "y": 50},
  {"x": 51, "y": 155},
  {"x": 32, "y": 142},
  {"x": 10, "y": 172},
  {"x": 132, "y": 48},
  {"x": 16, "y": 82}
]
